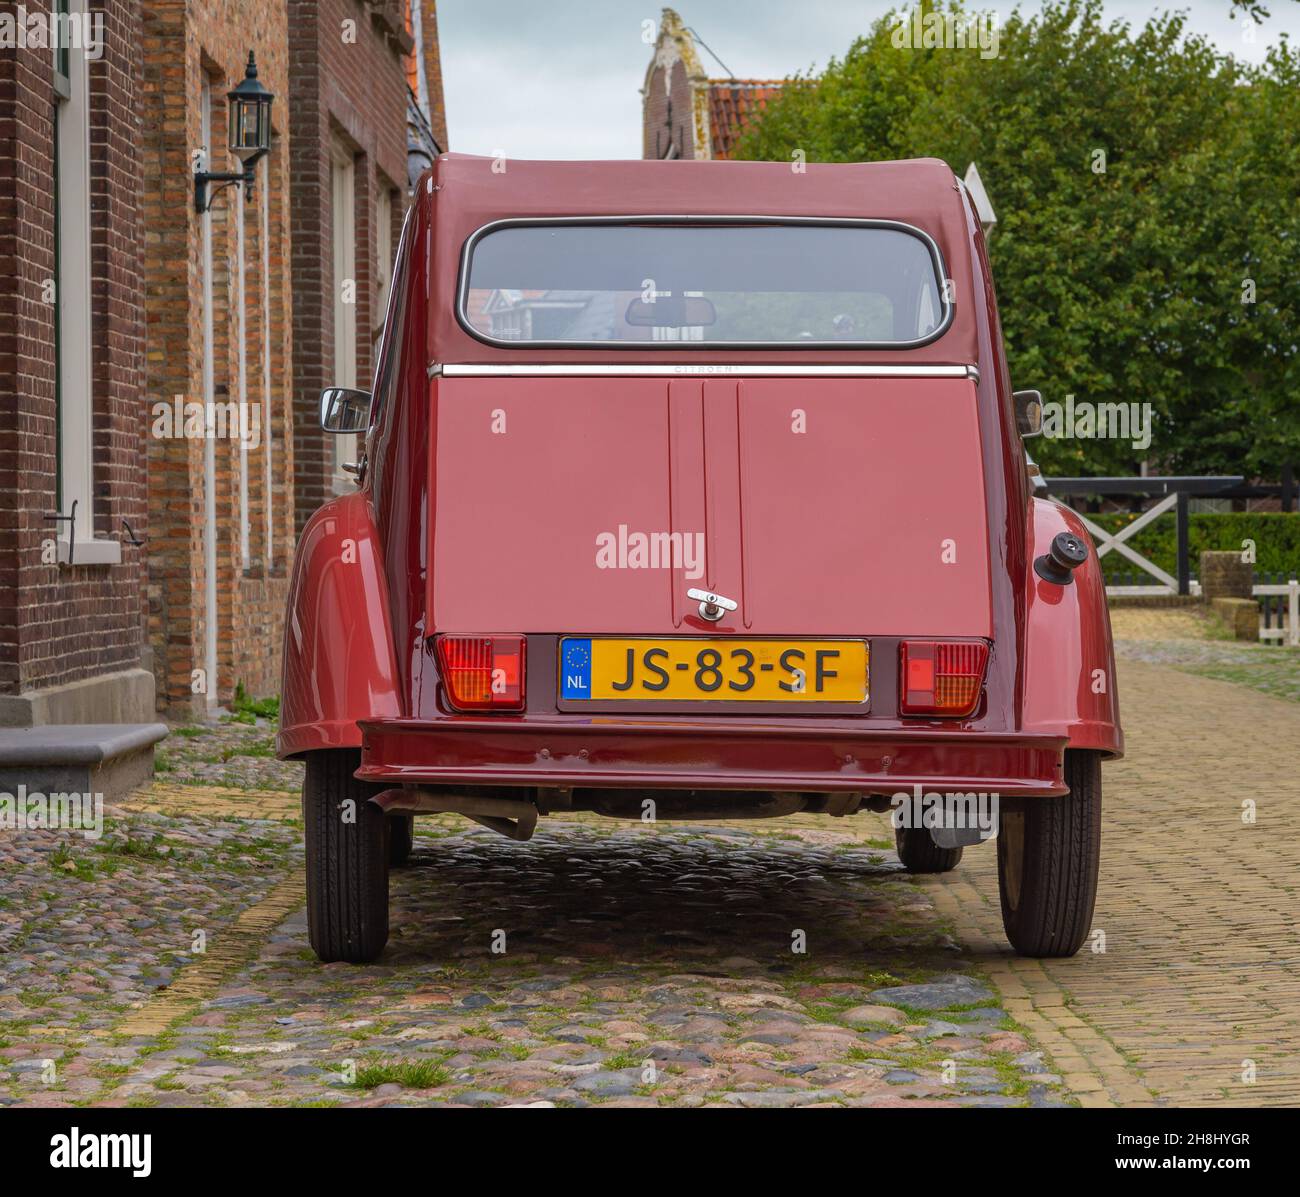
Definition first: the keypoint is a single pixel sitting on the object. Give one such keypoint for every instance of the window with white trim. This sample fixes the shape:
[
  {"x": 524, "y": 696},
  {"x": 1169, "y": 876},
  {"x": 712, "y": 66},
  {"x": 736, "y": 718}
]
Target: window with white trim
[
  {"x": 72, "y": 294},
  {"x": 241, "y": 352},
  {"x": 268, "y": 428}
]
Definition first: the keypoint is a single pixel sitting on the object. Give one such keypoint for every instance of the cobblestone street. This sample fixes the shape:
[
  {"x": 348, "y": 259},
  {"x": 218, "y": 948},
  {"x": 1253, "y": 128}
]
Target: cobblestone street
[
  {"x": 1200, "y": 977},
  {"x": 786, "y": 962}
]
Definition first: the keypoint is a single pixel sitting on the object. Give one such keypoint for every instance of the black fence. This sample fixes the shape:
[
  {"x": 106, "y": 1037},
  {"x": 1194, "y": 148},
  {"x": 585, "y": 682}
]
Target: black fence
[
  {"x": 1139, "y": 577},
  {"x": 1178, "y": 488}
]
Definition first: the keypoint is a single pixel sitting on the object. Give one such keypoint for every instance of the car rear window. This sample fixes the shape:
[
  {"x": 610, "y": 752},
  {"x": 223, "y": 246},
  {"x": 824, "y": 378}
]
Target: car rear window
[{"x": 709, "y": 282}]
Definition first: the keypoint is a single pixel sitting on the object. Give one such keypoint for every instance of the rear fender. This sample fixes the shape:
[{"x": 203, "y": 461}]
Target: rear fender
[
  {"x": 339, "y": 664},
  {"x": 1069, "y": 661}
]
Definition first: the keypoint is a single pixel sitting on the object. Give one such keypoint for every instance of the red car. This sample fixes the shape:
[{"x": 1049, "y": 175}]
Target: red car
[{"x": 696, "y": 489}]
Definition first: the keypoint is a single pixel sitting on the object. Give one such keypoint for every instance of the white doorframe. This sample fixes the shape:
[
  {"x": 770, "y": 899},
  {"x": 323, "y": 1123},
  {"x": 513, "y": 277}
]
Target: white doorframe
[
  {"x": 73, "y": 297},
  {"x": 383, "y": 252},
  {"x": 344, "y": 229},
  {"x": 241, "y": 350},
  {"x": 266, "y": 360},
  {"x": 209, "y": 425}
]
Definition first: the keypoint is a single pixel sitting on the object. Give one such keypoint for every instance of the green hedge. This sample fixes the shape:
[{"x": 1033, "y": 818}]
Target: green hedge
[{"x": 1276, "y": 536}]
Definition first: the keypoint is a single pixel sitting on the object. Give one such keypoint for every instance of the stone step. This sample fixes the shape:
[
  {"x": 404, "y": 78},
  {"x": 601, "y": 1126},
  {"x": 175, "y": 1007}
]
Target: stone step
[{"x": 110, "y": 759}]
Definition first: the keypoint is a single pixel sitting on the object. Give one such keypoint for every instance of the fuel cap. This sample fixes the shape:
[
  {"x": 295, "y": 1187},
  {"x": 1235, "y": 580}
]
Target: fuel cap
[{"x": 1058, "y": 564}]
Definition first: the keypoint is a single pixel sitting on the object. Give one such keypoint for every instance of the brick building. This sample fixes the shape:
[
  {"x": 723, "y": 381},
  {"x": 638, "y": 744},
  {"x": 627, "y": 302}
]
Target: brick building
[
  {"x": 244, "y": 302},
  {"x": 160, "y": 364},
  {"x": 349, "y": 182},
  {"x": 219, "y": 332},
  {"x": 684, "y": 113},
  {"x": 72, "y": 430}
]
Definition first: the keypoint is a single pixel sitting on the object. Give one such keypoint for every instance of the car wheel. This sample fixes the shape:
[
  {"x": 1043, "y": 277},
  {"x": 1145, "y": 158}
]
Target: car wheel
[
  {"x": 1048, "y": 853},
  {"x": 401, "y": 838},
  {"x": 920, "y": 854},
  {"x": 347, "y": 860}
]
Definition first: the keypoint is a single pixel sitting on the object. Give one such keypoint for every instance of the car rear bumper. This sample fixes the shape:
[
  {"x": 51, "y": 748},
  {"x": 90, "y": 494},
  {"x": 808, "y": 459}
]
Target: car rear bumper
[{"x": 753, "y": 755}]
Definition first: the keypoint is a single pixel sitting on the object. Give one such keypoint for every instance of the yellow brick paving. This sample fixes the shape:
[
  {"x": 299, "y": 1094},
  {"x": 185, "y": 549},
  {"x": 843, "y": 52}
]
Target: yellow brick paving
[
  {"x": 1199, "y": 983},
  {"x": 227, "y": 950},
  {"x": 233, "y": 946},
  {"x": 215, "y": 802}
]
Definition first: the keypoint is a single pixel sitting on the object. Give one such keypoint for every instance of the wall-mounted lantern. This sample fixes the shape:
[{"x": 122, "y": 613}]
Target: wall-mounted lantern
[{"x": 250, "y": 137}]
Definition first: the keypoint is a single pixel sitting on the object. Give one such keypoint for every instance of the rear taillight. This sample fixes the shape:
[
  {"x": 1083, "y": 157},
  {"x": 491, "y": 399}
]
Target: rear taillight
[
  {"x": 483, "y": 673},
  {"x": 940, "y": 677}
]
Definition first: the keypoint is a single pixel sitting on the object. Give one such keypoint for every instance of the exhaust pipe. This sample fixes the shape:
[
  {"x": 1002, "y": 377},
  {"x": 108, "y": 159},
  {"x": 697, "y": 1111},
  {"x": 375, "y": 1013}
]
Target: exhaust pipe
[{"x": 511, "y": 817}]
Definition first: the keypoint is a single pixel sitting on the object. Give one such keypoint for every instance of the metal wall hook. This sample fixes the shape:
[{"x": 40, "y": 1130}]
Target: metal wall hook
[{"x": 71, "y": 521}]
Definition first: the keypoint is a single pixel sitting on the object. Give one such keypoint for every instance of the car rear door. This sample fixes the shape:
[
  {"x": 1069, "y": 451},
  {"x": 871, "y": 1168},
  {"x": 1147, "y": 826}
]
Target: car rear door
[{"x": 825, "y": 506}]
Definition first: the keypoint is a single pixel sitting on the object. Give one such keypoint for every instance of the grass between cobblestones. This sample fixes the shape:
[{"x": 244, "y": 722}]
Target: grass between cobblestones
[
  {"x": 617, "y": 976},
  {"x": 647, "y": 965}
]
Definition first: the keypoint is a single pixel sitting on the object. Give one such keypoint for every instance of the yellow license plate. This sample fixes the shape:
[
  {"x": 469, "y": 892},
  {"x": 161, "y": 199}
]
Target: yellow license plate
[{"x": 717, "y": 670}]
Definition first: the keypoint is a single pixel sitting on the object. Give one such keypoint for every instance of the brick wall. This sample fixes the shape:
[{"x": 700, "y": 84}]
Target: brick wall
[
  {"x": 60, "y": 624},
  {"x": 668, "y": 113},
  {"x": 183, "y": 44},
  {"x": 674, "y": 107},
  {"x": 433, "y": 71},
  {"x": 348, "y": 80}
]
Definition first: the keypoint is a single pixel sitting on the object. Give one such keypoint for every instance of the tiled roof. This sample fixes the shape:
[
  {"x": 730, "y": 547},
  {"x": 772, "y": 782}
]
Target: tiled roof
[{"x": 732, "y": 103}]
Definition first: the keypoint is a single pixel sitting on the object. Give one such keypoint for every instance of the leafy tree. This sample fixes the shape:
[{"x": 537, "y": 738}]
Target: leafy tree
[
  {"x": 1254, "y": 9},
  {"x": 1144, "y": 183}
]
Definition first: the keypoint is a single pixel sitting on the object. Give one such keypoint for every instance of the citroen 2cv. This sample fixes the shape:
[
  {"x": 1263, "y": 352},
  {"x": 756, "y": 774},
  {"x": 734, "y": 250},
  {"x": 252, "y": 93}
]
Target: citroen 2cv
[{"x": 696, "y": 490}]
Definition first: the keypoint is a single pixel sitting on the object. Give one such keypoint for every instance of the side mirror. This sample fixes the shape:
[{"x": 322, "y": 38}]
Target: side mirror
[
  {"x": 343, "y": 409},
  {"x": 1029, "y": 412}
]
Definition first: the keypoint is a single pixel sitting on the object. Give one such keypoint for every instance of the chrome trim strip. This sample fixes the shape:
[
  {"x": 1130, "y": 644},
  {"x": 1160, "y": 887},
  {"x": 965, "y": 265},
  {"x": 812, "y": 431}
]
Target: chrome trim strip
[
  {"x": 690, "y": 369},
  {"x": 936, "y": 258}
]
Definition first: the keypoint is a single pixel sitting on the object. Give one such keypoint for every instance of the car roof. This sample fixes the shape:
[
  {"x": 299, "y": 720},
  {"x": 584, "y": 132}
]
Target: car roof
[{"x": 468, "y": 191}]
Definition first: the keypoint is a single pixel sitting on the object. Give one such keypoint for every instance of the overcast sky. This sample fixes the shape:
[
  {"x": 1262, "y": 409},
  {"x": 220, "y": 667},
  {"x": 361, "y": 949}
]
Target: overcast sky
[{"x": 561, "y": 78}]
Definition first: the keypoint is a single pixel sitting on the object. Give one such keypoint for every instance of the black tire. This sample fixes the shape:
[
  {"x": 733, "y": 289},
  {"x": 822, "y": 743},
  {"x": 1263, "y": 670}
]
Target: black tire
[
  {"x": 920, "y": 854},
  {"x": 1049, "y": 850},
  {"x": 401, "y": 838},
  {"x": 347, "y": 861}
]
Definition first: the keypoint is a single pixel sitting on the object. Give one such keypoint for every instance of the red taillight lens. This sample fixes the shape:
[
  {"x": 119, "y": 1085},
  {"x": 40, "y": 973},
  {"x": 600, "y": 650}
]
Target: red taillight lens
[
  {"x": 941, "y": 677},
  {"x": 483, "y": 673}
]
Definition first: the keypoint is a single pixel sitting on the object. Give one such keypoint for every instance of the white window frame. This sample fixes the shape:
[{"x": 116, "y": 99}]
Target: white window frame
[
  {"x": 241, "y": 351},
  {"x": 73, "y": 312},
  {"x": 267, "y": 464},
  {"x": 210, "y": 613},
  {"x": 383, "y": 246},
  {"x": 344, "y": 235}
]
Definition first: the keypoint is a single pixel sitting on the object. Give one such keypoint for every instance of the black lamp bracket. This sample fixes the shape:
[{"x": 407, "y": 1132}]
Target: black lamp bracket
[{"x": 227, "y": 178}]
